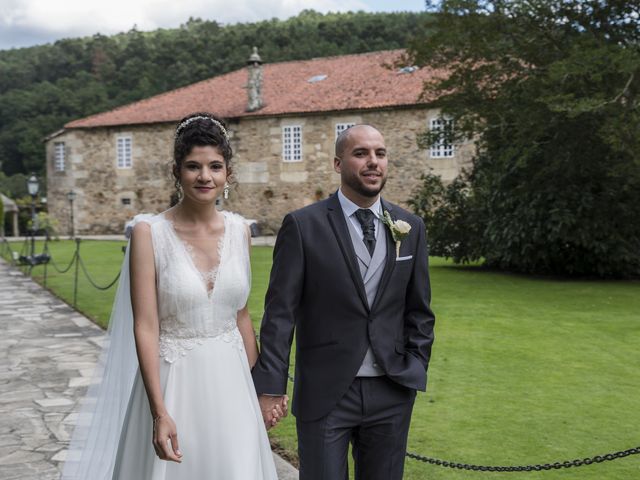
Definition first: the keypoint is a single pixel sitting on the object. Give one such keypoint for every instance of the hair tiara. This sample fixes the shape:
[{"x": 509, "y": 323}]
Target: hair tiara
[{"x": 184, "y": 124}]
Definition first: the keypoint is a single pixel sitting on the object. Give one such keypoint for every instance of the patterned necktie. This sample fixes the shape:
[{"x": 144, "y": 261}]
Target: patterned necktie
[{"x": 365, "y": 217}]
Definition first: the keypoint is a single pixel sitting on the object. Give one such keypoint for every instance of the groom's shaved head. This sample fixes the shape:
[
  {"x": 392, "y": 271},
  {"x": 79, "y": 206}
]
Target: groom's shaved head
[{"x": 343, "y": 139}]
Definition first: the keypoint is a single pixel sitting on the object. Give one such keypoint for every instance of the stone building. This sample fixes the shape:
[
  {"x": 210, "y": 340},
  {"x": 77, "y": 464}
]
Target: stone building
[{"x": 283, "y": 120}]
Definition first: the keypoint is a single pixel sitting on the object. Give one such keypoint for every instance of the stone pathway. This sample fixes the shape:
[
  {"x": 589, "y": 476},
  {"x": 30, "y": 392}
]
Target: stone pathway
[{"x": 47, "y": 354}]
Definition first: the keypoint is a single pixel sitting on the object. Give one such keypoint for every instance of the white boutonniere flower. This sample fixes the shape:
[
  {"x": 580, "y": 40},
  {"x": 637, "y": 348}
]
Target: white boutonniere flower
[{"x": 399, "y": 229}]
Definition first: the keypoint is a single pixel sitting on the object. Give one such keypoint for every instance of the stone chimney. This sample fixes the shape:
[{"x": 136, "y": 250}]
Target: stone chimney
[{"x": 254, "y": 86}]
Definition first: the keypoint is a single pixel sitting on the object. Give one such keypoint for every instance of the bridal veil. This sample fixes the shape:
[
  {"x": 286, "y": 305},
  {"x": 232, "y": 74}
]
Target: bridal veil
[{"x": 102, "y": 411}]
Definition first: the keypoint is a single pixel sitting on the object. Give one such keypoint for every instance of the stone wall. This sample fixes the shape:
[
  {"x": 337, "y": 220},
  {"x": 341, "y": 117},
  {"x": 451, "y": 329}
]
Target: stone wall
[
  {"x": 103, "y": 189},
  {"x": 265, "y": 187}
]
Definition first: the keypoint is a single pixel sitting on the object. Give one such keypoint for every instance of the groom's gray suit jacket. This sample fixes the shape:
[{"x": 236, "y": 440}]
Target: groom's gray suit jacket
[{"x": 318, "y": 288}]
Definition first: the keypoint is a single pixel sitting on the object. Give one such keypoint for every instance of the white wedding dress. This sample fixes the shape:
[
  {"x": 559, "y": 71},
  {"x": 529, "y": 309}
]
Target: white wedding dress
[{"x": 204, "y": 371}]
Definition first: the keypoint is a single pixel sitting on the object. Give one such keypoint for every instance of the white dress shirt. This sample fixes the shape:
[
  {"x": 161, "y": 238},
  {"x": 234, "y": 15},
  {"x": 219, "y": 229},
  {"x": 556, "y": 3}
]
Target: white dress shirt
[{"x": 349, "y": 209}]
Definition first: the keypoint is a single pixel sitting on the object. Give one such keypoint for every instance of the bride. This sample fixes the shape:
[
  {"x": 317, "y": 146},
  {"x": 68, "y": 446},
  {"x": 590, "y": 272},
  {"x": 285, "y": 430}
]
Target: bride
[{"x": 177, "y": 400}]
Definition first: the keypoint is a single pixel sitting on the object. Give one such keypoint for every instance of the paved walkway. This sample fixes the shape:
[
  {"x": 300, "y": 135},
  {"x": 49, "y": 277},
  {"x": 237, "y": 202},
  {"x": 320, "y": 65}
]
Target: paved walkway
[{"x": 47, "y": 354}]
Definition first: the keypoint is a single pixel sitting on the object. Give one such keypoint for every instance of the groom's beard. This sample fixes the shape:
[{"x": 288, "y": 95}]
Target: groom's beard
[{"x": 359, "y": 187}]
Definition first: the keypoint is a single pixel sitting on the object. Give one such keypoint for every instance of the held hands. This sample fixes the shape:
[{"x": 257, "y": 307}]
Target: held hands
[
  {"x": 273, "y": 408},
  {"x": 165, "y": 439}
]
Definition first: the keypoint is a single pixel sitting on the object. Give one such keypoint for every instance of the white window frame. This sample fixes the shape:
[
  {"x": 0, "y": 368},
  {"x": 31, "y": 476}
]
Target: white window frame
[
  {"x": 441, "y": 149},
  {"x": 124, "y": 147},
  {"x": 59, "y": 156},
  {"x": 292, "y": 143},
  {"x": 341, "y": 127}
]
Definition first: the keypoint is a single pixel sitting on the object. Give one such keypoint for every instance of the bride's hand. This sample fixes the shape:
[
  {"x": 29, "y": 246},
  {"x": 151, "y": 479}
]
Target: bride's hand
[
  {"x": 270, "y": 406},
  {"x": 284, "y": 405},
  {"x": 165, "y": 439},
  {"x": 280, "y": 410}
]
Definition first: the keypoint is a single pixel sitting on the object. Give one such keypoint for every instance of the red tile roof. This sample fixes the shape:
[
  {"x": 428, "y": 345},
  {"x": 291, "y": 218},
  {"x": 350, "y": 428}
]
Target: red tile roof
[{"x": 354, "y": 82}]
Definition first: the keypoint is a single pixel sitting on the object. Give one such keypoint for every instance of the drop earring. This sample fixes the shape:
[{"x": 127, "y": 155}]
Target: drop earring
[
  {"x": 179, "y": 191},
  {"x": 225, "y": 192}
]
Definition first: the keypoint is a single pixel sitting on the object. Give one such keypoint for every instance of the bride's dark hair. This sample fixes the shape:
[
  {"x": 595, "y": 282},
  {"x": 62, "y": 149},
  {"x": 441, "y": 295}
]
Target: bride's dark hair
[{"x": 200, "y": 129}]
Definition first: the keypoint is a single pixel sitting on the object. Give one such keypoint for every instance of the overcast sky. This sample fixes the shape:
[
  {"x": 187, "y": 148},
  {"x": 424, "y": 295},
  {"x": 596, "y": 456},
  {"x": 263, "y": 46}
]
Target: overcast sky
[{"x": 31, "y": 22}]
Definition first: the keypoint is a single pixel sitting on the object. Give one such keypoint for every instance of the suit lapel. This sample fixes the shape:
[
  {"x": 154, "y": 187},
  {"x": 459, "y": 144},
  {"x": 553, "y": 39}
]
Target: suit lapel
[
  {"x": 339, "y": 226},
  {"x": 390, "y": 261}
]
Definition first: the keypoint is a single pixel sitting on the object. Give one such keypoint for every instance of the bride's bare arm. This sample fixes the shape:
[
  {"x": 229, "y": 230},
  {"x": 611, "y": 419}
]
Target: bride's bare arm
[
  {"x": 146, "y": 332},
  {"x": 279, "y": 408},
  {"x": 248, "y": 335},
  {"x": 246, "y": 327}
]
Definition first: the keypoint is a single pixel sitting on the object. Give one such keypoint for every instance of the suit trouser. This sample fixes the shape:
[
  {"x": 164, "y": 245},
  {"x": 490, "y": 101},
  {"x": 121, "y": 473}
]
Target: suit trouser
[{"x": 373, "y": 415}]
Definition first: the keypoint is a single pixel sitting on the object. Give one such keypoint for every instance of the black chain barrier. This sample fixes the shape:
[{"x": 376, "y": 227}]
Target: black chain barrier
[
  {"x": 528, "y": 468},
  {"x": 580, "y": 462},
  {"x": 95, "y": 285},
  {"x": 45, "y": 258},
  {"x": 67, "y": 268}
]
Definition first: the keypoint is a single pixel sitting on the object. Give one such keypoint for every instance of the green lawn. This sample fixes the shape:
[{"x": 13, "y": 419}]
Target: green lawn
[
  {"x": 102, "y": 259},
  {"x": 524, "y": 370}
]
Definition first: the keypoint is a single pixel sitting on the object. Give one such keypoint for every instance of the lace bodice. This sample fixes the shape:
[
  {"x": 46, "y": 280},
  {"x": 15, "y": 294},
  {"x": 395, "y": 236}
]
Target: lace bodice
[{"x": 195, "y": 305}]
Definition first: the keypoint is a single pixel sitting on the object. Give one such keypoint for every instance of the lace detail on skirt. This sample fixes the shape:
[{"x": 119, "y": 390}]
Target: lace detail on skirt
[{"x": 172, "y": 348}]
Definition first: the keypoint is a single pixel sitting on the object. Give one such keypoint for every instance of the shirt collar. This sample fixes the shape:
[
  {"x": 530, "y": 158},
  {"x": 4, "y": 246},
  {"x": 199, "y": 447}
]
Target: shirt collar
[{"x": 349, "y": 208}]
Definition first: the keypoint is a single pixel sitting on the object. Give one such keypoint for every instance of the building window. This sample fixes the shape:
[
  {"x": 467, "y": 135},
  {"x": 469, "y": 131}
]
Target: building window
[
  {"x": 124, "y": 152},
  {"x": 58, "y": 156},
  {"x": 341, "y": 127},
  {"x": 292, "y": 143},
  {"x": 125, "y": 201},
  {"x": 442, "y": 148}
]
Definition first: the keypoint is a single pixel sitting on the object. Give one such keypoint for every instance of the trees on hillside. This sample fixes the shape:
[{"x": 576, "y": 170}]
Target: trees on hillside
[
  {"x": 43, "y": 87},
  {"x": 550, "y": 88}
]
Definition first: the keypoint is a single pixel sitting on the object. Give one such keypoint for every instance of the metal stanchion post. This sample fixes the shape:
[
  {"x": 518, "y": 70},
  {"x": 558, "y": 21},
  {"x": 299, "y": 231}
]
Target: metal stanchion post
[
  {"x": 71, "y": 196},
  {"x": 46, "y": 252},
  {"x": 75, "y": 280}
]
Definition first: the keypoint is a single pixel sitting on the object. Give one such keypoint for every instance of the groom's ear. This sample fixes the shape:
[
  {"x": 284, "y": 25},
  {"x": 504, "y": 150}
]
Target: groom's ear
[{"x": 337, "y": 164}]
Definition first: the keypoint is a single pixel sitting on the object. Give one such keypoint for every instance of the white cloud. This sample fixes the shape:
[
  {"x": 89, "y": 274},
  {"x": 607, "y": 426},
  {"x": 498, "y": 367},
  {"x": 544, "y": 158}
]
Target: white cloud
[{"x": 70, "y": 18}]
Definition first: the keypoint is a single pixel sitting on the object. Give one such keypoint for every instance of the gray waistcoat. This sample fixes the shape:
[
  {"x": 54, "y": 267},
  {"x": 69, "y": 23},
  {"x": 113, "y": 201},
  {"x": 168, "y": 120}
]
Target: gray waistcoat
[{"x": 371, "y": 268}]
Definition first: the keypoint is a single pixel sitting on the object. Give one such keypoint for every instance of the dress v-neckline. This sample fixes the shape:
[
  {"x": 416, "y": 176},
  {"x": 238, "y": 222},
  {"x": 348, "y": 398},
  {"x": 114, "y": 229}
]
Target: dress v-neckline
[{"x": 222, "y": 247}]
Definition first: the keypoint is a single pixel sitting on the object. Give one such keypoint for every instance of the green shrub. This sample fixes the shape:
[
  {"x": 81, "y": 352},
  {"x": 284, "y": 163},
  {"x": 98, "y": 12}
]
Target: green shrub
[
  {"x": 452, "y": 230},
  {"x": 46, "y": 224}
]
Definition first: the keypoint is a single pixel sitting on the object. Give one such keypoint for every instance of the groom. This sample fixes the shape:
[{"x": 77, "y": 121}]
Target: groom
[{"x": 360, "y": 308}]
